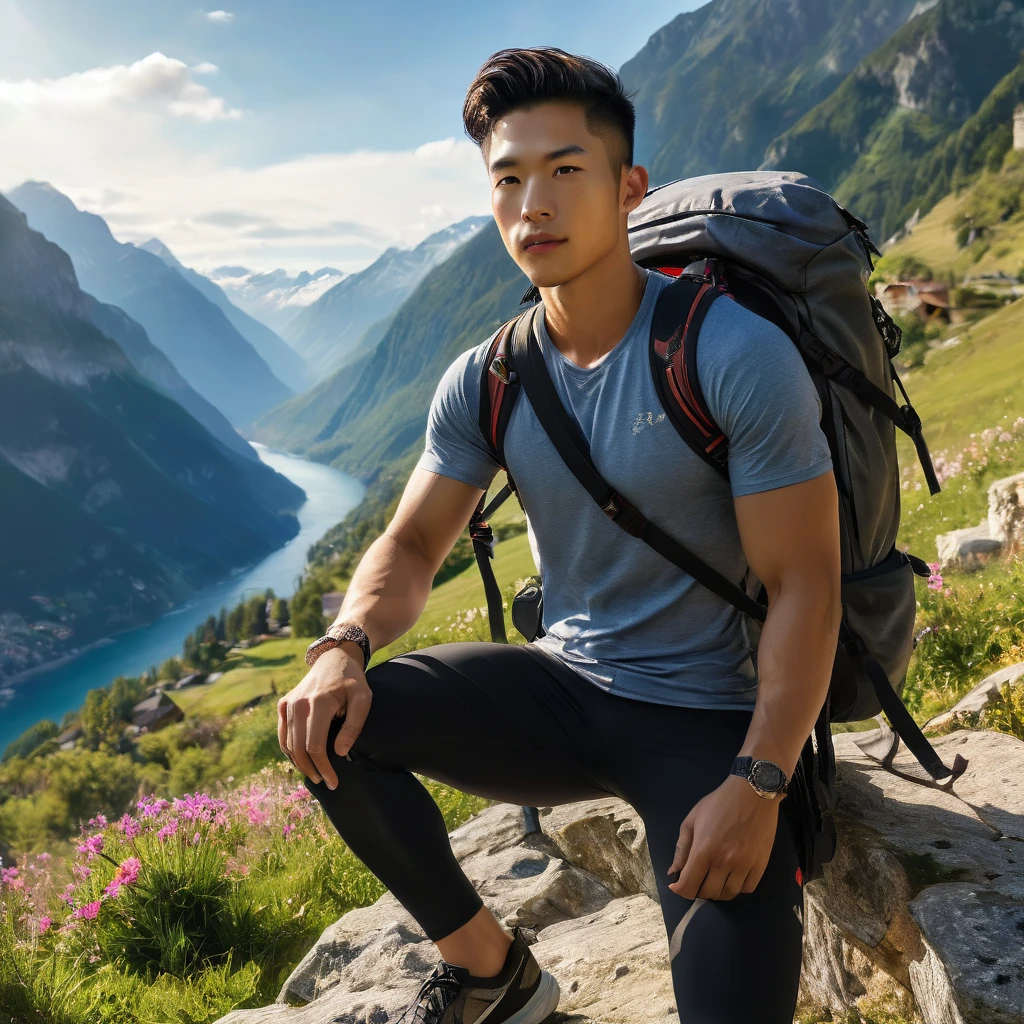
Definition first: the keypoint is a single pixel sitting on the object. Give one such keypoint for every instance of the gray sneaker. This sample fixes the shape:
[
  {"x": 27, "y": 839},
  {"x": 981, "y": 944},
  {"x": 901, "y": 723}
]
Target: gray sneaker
[{"x": 521, "y": 993}]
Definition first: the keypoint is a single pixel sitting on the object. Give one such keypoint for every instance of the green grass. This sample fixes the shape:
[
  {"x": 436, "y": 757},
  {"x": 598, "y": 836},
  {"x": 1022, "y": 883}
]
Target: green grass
[
  {"x": 443, "y": 620},
  {"x": 961, "y": 392},
  {"x": 933, "y": 241},
  {"x": 247, "y": 674}
]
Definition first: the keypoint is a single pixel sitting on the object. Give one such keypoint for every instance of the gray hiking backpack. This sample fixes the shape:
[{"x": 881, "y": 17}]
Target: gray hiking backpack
[{"x": 781, "y": 246}]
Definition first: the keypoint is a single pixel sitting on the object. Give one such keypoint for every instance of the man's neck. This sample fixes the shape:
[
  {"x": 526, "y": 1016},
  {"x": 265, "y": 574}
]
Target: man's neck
[{"x": 589, "y": 315}]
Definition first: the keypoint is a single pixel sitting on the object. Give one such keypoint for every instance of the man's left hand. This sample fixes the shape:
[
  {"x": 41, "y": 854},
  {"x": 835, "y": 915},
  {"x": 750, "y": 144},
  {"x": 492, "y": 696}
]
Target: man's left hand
[{"x": 725, "y": 842}]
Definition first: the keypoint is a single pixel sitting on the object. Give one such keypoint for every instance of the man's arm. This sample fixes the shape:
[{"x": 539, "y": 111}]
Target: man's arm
[
  {"x": 790, "y": 536},
  {"x": 386, "y": 596}
]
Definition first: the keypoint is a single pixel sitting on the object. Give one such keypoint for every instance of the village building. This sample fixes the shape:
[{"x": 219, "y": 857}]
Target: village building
[
  {"x": 1018, "y": 127},
  {"x": 331, "y": 603},
  {"x": 927, "y": 299},
  {"x": 66, "y": 740},
  {"x": 155, "y": 712}
]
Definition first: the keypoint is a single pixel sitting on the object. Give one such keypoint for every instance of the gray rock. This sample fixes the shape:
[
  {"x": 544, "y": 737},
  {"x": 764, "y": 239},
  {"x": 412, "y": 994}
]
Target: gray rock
[
  {"x": 920, "y": 912},
  {"x": 1006, "y": 511},
  {"x": 979, "y": 697},
  {"x": 977, "y": 937},
  {"x": 969, "y": 549}
]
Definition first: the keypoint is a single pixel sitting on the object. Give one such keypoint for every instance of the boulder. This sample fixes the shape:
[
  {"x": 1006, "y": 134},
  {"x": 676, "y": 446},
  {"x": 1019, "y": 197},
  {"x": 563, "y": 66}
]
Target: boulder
[
  {"x": 968, "y": 549},
  {"x": 1006, "y": 511},
  {"x": 979, "y": 697},
  {"x": 921, "y": 912}
]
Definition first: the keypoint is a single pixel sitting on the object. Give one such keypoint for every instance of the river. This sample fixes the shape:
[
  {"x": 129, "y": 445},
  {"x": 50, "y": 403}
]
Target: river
[{"x": 49, "y": 692}]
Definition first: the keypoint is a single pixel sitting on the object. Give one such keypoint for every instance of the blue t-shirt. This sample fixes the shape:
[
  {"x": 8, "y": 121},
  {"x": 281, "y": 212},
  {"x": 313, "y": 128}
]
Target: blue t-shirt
[{"x": 615, "y": 610}]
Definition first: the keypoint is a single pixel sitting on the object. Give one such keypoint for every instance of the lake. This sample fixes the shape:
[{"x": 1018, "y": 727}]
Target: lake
[{"x": 49, "y": 692}]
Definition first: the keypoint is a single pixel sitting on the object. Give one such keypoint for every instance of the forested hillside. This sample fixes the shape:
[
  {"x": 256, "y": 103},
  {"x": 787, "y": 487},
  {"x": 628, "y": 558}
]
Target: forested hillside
[
  {"x": 870, "y": 140},
  {"x": 715, "y": 86}
]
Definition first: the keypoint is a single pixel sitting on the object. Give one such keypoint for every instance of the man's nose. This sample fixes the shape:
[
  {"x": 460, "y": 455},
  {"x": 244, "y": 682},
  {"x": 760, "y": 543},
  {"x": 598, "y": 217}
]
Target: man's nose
[{"x": 537, "y": 204}]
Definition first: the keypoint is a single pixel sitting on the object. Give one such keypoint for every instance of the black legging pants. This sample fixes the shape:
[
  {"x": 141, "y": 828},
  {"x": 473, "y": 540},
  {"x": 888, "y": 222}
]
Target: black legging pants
[{"x": 514, "y": 724}]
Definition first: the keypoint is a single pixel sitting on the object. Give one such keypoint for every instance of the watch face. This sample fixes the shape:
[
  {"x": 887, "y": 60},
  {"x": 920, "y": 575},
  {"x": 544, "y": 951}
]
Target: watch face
[{"x": 767, "y": 776}]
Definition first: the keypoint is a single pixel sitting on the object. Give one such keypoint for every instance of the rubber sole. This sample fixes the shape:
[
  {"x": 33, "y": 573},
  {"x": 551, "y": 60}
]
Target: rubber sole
[{"x": 542, "y": 1003}]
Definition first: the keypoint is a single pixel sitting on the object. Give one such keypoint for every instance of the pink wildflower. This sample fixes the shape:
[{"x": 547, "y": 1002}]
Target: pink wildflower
[
  {"x": 196, "y": 838},
  {"x": 81, "y": 871},
  {"x": 287, "y": 829},
  {"x": 68, "y": 893},
  {"x": 128, "y": 871},
  {"x": 91, "y": 846},
  {"x": 88, "y": 911},
  {"x": 8, "y": 875},
  {"x": 100, "y": 821},
  {"x": 44, "y": 924},
  {"x": 168, "y": 830},
  {"x": 129, "y": 826}
]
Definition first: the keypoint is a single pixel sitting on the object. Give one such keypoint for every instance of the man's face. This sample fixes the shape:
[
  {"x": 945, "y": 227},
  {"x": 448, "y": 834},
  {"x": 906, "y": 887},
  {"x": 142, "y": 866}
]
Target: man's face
[{"x": 558, "y": 204}]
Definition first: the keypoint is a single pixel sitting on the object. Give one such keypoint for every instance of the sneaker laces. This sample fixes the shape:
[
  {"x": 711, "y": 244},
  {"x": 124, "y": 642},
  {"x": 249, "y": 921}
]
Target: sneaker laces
[{"x": 434, "y": 995}]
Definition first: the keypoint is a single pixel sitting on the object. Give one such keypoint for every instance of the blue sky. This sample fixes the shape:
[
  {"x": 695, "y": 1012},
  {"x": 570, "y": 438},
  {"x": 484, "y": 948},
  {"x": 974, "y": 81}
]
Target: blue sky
[{"x": 266, "y": 133}]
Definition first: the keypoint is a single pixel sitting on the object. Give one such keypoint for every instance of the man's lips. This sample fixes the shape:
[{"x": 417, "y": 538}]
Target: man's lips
[{"x": 542, "y": 244}]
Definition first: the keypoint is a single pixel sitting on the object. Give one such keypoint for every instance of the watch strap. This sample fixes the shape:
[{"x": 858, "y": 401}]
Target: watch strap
[
  {"x": 334, "y": 637},
  {"x": 744, "y": 768}
]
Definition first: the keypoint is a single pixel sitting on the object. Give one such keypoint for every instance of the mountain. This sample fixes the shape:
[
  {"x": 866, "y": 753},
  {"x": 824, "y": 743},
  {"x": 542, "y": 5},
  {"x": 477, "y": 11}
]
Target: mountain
[
  {"x": 374, "y": 410},
  {"x": 159, "y": 371},
  {"x": 715, "y": 86},
  {"x": 190, "y": 330},
  {"x": 868, "y": 141},
  {"x": 286, "y": 364},
  {"x": 354, "y": 314},
  {"x": 274, "y": 298},
  {"x": 117, "y": 503}
]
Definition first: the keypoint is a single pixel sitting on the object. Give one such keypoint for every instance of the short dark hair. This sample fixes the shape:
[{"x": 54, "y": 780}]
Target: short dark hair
[{"x": 515, "y": 79}]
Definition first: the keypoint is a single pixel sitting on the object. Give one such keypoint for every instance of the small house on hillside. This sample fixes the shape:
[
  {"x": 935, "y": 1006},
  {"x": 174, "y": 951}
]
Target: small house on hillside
[
  {"x": 193, "y": 679},
  {"x": 331, "y": 603},
  {"x": 155, "y": 712},
  {"x": 66, "y": 740},
  {"x": 927, "y": 299}
]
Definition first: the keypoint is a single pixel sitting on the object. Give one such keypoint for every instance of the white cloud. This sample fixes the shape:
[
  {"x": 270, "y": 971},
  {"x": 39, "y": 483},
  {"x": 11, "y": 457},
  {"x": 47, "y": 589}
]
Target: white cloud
[
  {"x": 105, "y": 138},
  {"x": 223, "y": 17},
  {"x": 156, "y": 81}
]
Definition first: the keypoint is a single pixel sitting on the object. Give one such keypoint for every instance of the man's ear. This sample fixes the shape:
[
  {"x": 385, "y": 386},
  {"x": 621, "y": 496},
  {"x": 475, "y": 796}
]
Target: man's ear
[{"x": 634, "y": 186}]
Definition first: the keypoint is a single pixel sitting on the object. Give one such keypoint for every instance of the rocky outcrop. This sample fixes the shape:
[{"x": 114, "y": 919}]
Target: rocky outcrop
[
  {"x": 921, "y": 910},
  {"x": 1006, "y": 512},
  {"x": 1001, "y": 534},
  {"x": 968, "y": 549},
  {"x": 978, "y": 699}
]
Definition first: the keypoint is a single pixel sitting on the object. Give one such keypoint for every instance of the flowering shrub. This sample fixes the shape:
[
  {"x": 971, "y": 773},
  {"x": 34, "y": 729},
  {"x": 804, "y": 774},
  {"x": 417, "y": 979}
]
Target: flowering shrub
[
  {"x": 209, "y": 899},
  {"x": 967, "y": 628}
]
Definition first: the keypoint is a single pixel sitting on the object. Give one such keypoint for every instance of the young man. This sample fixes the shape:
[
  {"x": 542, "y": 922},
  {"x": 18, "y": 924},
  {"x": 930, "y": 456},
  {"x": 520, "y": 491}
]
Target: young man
[{"x": 643, "y": 686}]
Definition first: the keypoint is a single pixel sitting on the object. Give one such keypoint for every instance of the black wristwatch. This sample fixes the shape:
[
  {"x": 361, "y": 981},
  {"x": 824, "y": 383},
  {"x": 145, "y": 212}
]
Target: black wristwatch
[
  {"x": 766, "y": 778},
  {"x": 334, "y": 637}
]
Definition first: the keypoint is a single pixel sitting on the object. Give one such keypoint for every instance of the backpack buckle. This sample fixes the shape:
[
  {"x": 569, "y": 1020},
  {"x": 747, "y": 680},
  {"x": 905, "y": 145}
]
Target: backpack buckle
[
  {"x": 502, "y": 369},
  {"x": 625, "y": 514}
]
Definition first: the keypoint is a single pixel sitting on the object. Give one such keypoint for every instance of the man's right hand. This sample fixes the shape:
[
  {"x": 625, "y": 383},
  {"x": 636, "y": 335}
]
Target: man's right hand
[{"x": 335, "y": 685}]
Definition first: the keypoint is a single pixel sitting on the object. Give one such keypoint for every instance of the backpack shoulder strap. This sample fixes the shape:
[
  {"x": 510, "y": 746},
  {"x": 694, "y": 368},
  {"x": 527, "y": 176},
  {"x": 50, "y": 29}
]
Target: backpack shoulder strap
[
  {"x": 498, "y": 391},
  {"x": 675, "y": 329}
]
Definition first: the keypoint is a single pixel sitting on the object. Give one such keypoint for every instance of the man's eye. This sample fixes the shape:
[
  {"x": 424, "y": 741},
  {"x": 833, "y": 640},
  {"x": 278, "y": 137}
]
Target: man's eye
[
  {"x": 566, "y": 167},
  {"x": 511, "y": 178}
]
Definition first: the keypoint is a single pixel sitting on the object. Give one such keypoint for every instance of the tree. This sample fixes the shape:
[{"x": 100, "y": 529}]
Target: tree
[
  {"x": 99, "y": 722},
  {"x": 125, "y": 693},
  {"x": 307, "y": 614},
  {"x": 280, "y": 611},
  {"x": 30, "y": 739}
]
